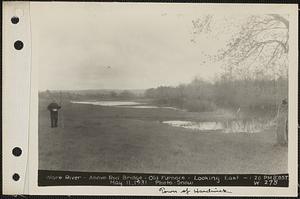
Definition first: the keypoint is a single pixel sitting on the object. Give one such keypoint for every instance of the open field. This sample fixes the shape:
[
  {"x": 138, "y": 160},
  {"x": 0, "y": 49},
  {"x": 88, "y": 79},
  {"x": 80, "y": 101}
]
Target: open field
[{"x": 112, "y": 139}]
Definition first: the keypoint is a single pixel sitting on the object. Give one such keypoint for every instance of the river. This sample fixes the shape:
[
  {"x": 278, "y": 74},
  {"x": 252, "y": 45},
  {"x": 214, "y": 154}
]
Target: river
[{"x": 228, "y": 126}]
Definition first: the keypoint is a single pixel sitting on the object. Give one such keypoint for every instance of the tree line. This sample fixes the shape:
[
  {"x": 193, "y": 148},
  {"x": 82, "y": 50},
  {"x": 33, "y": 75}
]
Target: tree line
[{"x": 200, "y": 95}]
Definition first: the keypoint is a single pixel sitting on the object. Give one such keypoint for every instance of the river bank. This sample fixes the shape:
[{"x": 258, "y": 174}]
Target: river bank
[{"x": 112, "y": 139}]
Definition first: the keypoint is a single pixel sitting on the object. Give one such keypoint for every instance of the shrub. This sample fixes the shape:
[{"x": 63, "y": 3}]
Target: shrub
[{"x": 198, "y": 105}]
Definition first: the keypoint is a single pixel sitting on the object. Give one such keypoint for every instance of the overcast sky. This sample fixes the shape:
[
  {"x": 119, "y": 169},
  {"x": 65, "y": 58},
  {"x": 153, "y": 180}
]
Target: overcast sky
[{"x": 122, "y": 46}]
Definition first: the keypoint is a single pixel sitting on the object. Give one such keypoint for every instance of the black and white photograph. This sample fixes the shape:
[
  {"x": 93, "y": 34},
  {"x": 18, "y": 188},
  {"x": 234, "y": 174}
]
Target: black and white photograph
[
  {"x": 162, "y": 95},
  {"x": 163, "y": 91}
]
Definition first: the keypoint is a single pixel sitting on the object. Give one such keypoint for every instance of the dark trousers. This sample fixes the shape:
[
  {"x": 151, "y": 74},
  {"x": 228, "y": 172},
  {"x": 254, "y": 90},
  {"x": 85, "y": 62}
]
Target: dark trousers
[{"x": 54, "y": 118}]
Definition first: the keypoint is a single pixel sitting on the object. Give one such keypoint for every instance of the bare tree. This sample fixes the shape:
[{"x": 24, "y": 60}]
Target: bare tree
[{"x": 259, "y": 49}]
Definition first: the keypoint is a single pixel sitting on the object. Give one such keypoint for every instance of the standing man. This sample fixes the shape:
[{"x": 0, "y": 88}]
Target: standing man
[{"x": 53, "y": 108}]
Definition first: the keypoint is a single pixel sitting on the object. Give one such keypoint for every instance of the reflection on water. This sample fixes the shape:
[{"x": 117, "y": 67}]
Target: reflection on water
[
  {"x": 196, "y": 125},
  {"x": 233, "y": 126},
  {"x": 108, "y": 103},
  {"x": 150, "y": 106},
  {"x": 122, "y": 104}
]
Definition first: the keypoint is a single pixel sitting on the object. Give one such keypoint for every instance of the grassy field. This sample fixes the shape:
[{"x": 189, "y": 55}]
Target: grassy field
[{"x": 112, "y": 139}]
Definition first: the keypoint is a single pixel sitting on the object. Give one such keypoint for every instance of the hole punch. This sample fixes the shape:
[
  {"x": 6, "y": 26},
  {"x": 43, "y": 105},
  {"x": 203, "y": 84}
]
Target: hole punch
[
  {"x": 15, "y": 20},
  {"x": 17, "y": 151},
  {"x": 18, "y": 45},
  {"x": 16, "y": 177}
]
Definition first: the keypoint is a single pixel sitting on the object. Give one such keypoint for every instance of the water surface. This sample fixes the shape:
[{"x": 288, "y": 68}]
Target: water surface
[
  {"x": 108, "y": 103},
  {"x": 230, "y": 126},
  {"x": 123, "y": 104}
]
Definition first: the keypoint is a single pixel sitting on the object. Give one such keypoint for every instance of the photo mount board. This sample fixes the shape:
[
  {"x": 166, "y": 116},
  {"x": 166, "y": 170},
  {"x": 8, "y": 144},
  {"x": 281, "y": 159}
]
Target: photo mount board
[{"x": 20, "y": 108}]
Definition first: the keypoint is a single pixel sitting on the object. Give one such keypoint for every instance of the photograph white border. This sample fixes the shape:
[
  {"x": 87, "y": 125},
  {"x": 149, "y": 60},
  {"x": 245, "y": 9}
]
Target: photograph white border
[{"x": 30, "y": 184}]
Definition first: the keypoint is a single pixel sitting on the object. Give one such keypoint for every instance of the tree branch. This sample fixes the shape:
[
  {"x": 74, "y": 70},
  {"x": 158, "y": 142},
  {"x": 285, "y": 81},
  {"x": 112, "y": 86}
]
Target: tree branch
[
  {"x": 281, "y": 19},
  {"x": 276, "y": 41}
]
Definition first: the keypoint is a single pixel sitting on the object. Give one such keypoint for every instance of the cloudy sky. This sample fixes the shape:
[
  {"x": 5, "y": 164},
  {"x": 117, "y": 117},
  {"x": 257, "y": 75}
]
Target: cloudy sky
[{"x": 122, "y": 46}]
